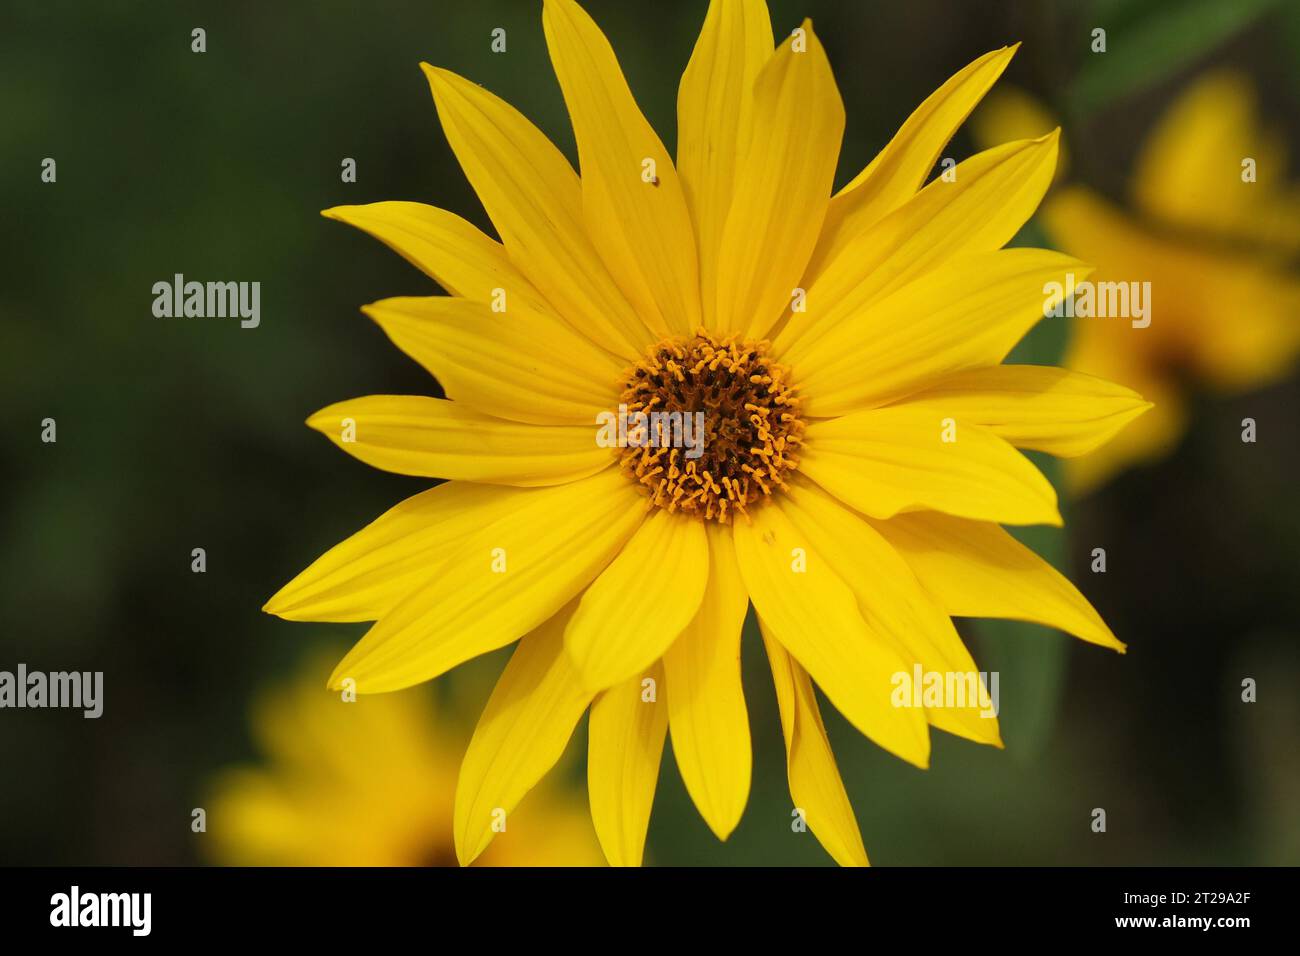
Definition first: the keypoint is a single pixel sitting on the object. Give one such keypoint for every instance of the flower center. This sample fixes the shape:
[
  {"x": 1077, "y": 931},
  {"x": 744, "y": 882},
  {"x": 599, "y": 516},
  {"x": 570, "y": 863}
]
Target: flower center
[{"x": 719, "y": 425}]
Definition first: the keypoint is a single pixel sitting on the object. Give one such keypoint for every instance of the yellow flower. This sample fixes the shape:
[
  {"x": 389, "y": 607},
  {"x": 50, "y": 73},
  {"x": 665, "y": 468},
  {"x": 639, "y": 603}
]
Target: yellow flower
[
  {"x": 367, "y": 782},
  {"x": 1214, "y": 228},
  {"x": 834, "y": 347}
]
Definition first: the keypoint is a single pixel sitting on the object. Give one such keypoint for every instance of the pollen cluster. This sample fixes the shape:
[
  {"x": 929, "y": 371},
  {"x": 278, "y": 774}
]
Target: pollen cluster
[{"x": 751, "y": 425}]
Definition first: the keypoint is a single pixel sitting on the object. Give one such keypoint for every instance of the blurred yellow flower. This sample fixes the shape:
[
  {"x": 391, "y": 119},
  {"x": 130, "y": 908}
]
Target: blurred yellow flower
[
  {"x": 858, "y": 432},
  {"x": 1214, "y": 227},
  {"x": 369, "y": 782}
]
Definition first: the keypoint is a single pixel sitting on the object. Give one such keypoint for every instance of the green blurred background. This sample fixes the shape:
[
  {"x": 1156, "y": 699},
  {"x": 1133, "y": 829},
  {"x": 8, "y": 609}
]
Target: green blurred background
[{"x": 176, "y": 434}]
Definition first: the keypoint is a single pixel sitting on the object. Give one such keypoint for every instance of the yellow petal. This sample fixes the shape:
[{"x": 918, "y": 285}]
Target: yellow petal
[
  {"x": 549, "y": 828},
  {"x": 715, "y": 116},
  {"x": 1032, "y": 406},
  {"x": 643, "y": 600},
  {"x": 534, "y": 199},
  {"x": 1247, "y": 355},
  {"x": 265, "y": 825},
  {"x": 435, "y": 438},
  {"x": 966, "y": 315},
  {"x": 625, "y": 745},
  {"x": 1221, "y": 318},
  {"x": 896, "y": 459},
  {"x": 1189, "y": 285},
  {"x": 632, "y": 200},
  {"x": 523, "y": 731},
  {"x": 782, "y": 186},
  {"x": 893, "y": 603},
  {"x": 500, "y": 581},
  {"x": 815, "y": 616},
  {"x": 521, "y": 365},
  {"x": 990, "y": 197},
  {"x": 1152, "y": 436},
  {"x": 706, "y": 708},
  {"x": 365, "y": 576},
  {"x": 1189, "y": 172},
  {"x": 815, "y": 784},
  {"x": 976, "y": 569},
  {"x": 1012, "y": 113},
  {"x": 901, "y": 167},
  {"x": 442, "y": 245},
  {"x": 341, "y": 784}
]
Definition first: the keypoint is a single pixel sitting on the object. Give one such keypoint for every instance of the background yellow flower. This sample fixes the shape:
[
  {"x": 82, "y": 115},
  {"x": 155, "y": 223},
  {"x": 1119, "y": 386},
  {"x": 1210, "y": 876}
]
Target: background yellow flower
[
  {"x": 1214, "y": 225},
  {"x": 370, "y": 782}
]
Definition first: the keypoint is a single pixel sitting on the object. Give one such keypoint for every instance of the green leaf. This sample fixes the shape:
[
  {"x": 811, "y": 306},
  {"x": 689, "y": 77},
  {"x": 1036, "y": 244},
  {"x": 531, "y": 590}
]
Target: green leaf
[
  {"x": 1142, "y": 51},
  {"x": 1290, "y": 34}
]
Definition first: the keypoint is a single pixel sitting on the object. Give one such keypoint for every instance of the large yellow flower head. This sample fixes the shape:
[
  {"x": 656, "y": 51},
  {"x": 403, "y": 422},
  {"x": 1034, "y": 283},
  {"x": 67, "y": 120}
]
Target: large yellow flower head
[{"x": 859, "y": 430}]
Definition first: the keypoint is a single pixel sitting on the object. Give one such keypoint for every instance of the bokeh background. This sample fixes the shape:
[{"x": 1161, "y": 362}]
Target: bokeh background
[{"x": 176, "y": 434}]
